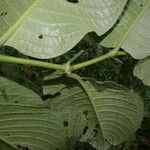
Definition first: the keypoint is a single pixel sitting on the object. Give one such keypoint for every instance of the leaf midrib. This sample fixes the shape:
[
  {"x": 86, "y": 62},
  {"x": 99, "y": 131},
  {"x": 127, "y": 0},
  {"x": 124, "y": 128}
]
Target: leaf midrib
[
  {"x": 10, "y": 31},
  {"x": 132, "y": 26},
  {"x": 85, "y": 88}
]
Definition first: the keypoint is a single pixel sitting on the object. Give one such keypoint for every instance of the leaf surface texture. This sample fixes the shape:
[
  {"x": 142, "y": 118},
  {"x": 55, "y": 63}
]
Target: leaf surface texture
[
  {"x": 132, "y": 32},
  {"x": 142, "y": 70},
  {"x": 49, "y": 28}
]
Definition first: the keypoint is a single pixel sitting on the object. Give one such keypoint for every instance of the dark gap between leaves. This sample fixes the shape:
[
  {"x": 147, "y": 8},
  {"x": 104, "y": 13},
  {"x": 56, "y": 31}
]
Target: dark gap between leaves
[
  {"x": 85, "y": 130},
  {"x": 49, "y": 96}
]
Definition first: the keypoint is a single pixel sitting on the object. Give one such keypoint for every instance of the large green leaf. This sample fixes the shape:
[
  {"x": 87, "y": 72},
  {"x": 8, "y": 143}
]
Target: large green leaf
[
  {"x": 26, "y": 122},
  {"x": 49, "y": 28},
  {"x": 112, "y": 112},
  {"x": 142, "y": 70},
  {"x": 105, "y": 113},
  {"x": 133, "y": 31}
]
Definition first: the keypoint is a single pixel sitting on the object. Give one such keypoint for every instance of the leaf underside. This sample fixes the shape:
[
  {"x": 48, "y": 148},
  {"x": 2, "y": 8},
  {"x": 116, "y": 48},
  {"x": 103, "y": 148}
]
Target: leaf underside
[
  {"x": 142, "y": 70},
  {"x": 113, "y": 115},
  {"x": 26, "y": 122},
  {"x": 48, "y": 125},
  {"x": 132, "y": 32},
  {"x": 49, "y": 28}
]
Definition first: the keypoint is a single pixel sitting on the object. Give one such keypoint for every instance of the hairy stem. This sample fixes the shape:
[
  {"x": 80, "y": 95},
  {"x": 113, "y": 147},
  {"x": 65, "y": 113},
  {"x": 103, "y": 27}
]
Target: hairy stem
[
  {"x": 62, "y": 67},
  {"x": 16, "y": 60},
  {"x": 98, "y": 59}
]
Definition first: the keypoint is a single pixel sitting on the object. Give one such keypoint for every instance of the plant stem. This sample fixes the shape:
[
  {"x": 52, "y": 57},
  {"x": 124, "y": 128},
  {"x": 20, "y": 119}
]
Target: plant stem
[
  {"x": 96, "y": 60},
  {"x": 16, "y": 60},
  {"x": 75, "y": 57},
  {"x": 62, "y": 67}
]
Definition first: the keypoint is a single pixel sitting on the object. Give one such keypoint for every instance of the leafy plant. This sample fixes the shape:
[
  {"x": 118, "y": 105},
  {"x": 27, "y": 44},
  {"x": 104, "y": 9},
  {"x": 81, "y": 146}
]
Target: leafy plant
[{"x": 72, "y": 109}]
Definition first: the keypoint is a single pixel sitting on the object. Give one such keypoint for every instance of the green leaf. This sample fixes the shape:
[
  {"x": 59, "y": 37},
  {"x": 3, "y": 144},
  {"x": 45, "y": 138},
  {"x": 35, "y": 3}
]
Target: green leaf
[
  {"x": 105, "y": 113},
  {"x": 25, "y": 121},
  {"x": 112, "y": 112},
  {"x": 28, "y": 123},
  {"x": 11, "y": 92},
  {"x": 49, "y": 28},
  {"x": 142, "y": 70},
  {"x": 5, "y": 146},
  {"x": 133, "y": 31}
]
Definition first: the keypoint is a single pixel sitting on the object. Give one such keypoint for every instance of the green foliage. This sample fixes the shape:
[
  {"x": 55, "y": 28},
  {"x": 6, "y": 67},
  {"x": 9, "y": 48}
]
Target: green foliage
[
  {"x": 97, "y": 107},
  {"x": 142, "y": 70},
  {"x": 23, "y": 114},
  {"x": 132, "y": 32},
  {"x": 43, "y": 30}
]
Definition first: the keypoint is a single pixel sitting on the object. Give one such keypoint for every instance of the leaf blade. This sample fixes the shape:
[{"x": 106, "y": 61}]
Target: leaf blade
[
  {"x": 132, "y": 32},
  {"x": 142, "y": 72},
  {"x": 28, "y": 123},
  {"x": 114, "y": 106},
  {"x": 48, "y": 31}
]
